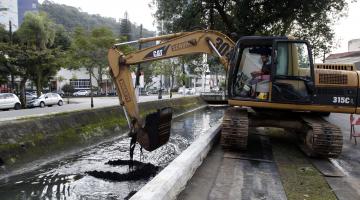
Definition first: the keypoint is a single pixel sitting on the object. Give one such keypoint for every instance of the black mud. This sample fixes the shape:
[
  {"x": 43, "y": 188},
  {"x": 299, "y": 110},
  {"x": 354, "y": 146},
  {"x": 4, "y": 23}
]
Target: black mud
[
  {"x": 129, "y": 163},
  {"x": 140, "y": 171}
]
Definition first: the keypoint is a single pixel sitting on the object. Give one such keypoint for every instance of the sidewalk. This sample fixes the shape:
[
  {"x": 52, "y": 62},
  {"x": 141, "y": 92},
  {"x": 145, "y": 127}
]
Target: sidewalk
[{"x": 76, "y": 104}]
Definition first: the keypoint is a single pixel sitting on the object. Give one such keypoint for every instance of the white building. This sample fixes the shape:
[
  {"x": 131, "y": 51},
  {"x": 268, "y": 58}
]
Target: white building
[
  {"x": 9, "y": 13},
  {"x": 350, "y": 57},
  {"x": 80, "y": 80},
  {"x": 354, "y": 45}
]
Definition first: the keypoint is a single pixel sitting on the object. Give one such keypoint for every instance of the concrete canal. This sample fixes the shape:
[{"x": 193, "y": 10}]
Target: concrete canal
[{"x": 102, "y": 171}]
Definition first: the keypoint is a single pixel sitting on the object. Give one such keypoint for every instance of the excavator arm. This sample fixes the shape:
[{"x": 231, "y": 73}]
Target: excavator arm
[{"x": 154, "y": 131}]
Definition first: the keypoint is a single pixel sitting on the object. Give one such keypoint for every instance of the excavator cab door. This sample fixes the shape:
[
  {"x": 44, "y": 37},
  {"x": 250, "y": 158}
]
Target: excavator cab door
[{"x": 292, "y": 72}]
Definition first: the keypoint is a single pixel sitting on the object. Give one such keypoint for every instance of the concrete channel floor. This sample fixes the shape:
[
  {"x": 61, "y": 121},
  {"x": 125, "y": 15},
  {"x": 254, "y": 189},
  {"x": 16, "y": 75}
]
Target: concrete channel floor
[{"x": 237, "y": 175}]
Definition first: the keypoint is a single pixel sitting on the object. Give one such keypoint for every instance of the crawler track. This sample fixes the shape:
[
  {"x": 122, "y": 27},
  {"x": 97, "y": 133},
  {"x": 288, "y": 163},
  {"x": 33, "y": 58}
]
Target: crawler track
[
  {"x": 235, "y": 127},
  {"x": 322, "y": 139}
]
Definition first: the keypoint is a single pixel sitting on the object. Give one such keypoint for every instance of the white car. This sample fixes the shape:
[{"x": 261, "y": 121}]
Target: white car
[
  {"x": 183, "y": 90},
  {"x": 30, "y": 96},
  {"x": 47, "y": 99},
  {"x": 81, "y": 93},
  {"x": 8, "y": 101}
]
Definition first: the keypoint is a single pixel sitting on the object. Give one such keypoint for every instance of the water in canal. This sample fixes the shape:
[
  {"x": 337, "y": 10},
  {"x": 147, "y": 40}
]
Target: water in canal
[{"x": 102, "y": 172}]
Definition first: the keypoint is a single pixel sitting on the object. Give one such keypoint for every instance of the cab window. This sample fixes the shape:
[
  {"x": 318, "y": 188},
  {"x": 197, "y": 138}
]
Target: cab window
[{"x": 292, "y": 59}]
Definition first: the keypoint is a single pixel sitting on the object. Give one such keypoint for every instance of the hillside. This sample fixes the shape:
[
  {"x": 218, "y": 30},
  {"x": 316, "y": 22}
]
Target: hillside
[{"x": 70, "y": 17}]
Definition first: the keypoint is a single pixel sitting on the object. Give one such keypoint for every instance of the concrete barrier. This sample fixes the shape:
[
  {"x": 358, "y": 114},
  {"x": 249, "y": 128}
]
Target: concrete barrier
[
  {"x": 173, "y": 178},
  {"x": 28, "y": 140}
]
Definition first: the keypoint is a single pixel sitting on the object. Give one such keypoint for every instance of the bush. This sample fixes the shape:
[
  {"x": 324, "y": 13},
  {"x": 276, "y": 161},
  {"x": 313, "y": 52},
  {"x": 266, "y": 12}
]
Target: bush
[{"x": 68, "y": 89}]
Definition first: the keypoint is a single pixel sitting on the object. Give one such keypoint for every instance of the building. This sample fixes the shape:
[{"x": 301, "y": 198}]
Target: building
[
  {"x": 354, "y": 45},
  {"x": 26, "y": 6},
  {"x": 80, "y": 80},
  {"x": 14, "y": 11},
  {"x": 350, "y": 57},
  {"x": 9, "y": 13}
]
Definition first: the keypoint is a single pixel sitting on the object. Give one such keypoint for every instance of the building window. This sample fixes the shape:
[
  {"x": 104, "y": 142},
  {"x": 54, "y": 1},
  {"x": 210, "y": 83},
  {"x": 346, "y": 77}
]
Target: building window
[{"x": 79, "y": 84}]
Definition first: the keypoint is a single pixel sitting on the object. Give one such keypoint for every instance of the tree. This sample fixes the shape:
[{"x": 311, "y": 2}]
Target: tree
[
  {"x": 169, "y": 68},
  {"x": 68, "y": 89},
  {"x": 22, "y": 61},
  {"x": 4, "y": 35},
  {"x": 125, "y": 27},
  {"x": 311, "y": 20},
  {"x": 89, "y": 50},
  {"x": 38, "y": 33}
]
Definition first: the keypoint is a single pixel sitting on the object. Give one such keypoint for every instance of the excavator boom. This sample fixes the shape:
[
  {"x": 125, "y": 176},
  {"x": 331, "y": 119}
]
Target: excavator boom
[{"x": 154, "y": 131}]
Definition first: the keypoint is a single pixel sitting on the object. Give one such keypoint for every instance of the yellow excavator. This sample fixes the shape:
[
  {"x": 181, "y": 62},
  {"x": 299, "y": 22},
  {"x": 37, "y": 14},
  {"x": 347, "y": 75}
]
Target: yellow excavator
[{"x": 272, "y": 82}]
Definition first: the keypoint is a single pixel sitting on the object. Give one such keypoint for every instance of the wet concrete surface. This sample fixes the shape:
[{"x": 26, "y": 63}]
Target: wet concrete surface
[
  {"x": 347, "y": 186},
  {"x": 102, "y": 172},
  {"x": 250, "y": 174}
]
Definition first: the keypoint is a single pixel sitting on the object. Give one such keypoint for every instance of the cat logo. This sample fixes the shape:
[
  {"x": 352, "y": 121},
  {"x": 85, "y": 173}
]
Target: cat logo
[
  {"x": 157, "y": 53},
  {"x": 160, "y": 52}
]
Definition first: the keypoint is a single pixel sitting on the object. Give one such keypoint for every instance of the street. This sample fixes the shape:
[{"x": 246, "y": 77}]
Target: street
[{"x": 75, "y": 105}]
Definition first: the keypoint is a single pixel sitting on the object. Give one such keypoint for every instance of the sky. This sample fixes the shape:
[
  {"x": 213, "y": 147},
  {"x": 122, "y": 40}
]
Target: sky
[{"x": 139, "y": 12}]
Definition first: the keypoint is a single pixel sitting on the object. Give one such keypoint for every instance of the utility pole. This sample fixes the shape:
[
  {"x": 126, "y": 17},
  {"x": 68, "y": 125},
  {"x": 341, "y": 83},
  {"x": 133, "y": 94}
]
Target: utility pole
[
  {"x": 137, "y": 81},
  {"x": 11, "y": 41},
  {"x": 10, "y": 31},
  {"x": 91, "y": 92}
]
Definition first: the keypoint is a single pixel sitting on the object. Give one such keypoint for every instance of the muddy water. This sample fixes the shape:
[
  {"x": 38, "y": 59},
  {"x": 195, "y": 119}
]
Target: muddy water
[{"x": 86, "y": 174}]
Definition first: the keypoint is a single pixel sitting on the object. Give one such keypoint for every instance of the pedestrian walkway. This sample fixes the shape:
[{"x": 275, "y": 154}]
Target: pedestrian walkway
[{"x": 76, "y": 104}]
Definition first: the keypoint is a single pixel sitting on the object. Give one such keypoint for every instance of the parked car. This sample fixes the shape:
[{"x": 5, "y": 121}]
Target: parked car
[
  {"x": 183, "y": 90},
  {"x": 81, "y": 93},
  {"x": 30, "y": 96},
  {"x": 60, "y": 92},
  {"x": 47, "y": 99},
  {"x": 8, "y": 101}
]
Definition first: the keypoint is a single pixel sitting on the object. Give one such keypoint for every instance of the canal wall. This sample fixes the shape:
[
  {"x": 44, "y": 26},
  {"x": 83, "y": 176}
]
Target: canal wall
[{"x": 30, "y": 140}]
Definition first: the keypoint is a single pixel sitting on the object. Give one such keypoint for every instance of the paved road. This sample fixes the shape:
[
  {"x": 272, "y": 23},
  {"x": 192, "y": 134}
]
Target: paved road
[{"x": 75, "y": 105}]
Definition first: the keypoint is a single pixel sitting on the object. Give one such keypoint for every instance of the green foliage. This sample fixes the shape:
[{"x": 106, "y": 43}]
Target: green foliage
[
  {"x": 71, "y": 18},
  {"x": 89, "y": 50},
  {"x": 37, "y": 31},
  {"x": 311, "y": 20},
  {"x": 62, "y": 38},
  {"x": 125, "y": 27},
  {"x": 4, "y": 35},
  {"x": 48, "y": 41},
  {"x": 18, "y": 60}
]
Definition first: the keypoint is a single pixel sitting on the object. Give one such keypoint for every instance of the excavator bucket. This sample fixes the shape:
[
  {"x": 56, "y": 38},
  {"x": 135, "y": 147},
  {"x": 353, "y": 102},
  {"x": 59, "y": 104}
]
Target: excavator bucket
[{"x": 157, "y": 129}]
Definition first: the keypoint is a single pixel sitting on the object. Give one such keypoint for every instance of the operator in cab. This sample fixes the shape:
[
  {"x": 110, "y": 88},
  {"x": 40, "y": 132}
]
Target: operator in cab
[{"x": 260, "y": 79}]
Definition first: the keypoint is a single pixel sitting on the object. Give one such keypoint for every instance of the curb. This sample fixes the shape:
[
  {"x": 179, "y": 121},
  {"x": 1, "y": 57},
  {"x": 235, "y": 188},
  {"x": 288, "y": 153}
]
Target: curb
[{"x": 173, "y": 178}]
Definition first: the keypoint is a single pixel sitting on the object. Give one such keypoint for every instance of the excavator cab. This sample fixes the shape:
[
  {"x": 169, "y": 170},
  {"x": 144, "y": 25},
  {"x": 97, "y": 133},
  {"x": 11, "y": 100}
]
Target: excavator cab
[{"x": 272, "y": 69}]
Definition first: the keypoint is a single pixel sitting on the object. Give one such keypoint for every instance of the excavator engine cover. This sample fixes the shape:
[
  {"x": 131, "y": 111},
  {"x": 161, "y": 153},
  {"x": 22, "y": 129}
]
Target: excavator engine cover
[{"x": 157, "y": 129}]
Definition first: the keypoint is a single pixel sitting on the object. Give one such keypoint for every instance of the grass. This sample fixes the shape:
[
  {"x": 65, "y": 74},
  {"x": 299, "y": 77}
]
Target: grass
[{"x": 300, "y": 179}]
